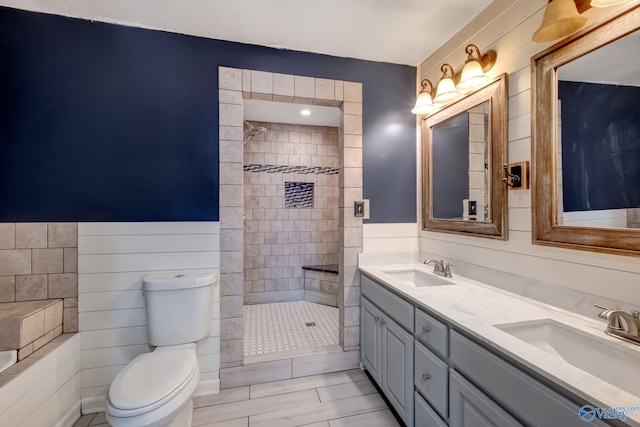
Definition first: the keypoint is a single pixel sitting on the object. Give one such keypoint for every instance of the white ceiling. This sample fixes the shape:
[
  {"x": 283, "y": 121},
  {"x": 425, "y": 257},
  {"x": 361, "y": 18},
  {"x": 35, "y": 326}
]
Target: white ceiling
[
  {"x": 396, "y": 31},
  {"x": 286, "y": 112}
]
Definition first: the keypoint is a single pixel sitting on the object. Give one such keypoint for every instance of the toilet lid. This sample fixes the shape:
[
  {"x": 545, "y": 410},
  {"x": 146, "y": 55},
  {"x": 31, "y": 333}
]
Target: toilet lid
[{"x": 152, "y": 377}]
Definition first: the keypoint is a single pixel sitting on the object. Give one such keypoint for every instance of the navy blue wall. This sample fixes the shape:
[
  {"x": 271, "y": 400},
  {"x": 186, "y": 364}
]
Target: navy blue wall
[
  {"x": 101, "y": 122},
  {"x": 600, "y": 146}
]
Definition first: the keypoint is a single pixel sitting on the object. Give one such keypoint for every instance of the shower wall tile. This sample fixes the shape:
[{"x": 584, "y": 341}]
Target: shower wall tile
[
  {"x": 304, "y": 90},
  {"x": 353, "y": 92},
  {"x": 31, "y": 235},
  {"x": 239, "y": 85},
  {"x": 230, "y": 78},
  {"x": 7, "y": 236},
  {"x": 279, "y": 240},
  {"x": 283, "y": 85},
  {"x": 261, "y": 82}
]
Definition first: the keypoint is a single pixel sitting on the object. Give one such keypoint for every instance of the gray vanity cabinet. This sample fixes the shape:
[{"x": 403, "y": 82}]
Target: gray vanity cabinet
[
  {"x": 435, "y": 376},
  {"x": 469, "y": 407},
  {"x": 370, "y": 339},
  {"x": 386, "y": 345},
  {"x": 397, "y": 368},
  {"x": 431, "y": 379}
]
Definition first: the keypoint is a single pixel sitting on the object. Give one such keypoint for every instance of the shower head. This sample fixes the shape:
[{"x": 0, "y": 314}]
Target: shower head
[{"x": 252, "y": 131}]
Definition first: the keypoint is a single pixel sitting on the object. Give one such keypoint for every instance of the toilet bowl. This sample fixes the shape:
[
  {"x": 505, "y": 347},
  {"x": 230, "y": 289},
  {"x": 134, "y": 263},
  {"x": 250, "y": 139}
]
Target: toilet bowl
[{"x": 155, "y": 389}]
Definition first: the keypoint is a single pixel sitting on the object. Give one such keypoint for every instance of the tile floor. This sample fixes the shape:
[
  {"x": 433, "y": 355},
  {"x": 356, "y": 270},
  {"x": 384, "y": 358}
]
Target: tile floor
[
  {"x": 280, "y": 327},
  {"x": 340, "y": 399}
]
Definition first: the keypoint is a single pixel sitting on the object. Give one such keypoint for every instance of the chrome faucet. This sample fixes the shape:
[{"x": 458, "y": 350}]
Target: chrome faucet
[
  {"x": 440, "y": 267},
  {"x": 621, "y": 324}
]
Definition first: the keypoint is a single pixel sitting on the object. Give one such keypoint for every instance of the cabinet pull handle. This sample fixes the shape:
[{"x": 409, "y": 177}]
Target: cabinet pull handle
[
  {"x": 382, "y": 322},
  {"x": 377, "y": 319},
  {"x": 425, "y": 377},
  {"x": 425, "y": 330}
]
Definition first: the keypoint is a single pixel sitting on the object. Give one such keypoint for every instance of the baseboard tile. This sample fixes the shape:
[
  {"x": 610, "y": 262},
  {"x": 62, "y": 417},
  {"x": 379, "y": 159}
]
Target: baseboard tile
[
  {"x": 93, "y": 405},
  {"x": 70, "y": 417},
  {"x": 255, "y": 373},
  {"x": 208, "y": 387},
  {"x": 291, "y": 354},
  {"x": 325, "y": 363}
]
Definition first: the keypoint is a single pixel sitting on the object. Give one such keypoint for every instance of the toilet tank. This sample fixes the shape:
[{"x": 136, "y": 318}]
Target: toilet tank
[{"x": 179, "y": 307}]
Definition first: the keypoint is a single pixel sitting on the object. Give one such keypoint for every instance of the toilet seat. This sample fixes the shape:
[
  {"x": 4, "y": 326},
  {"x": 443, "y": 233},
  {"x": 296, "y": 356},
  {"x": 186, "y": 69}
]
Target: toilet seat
[{"x": 151, "y": 380}]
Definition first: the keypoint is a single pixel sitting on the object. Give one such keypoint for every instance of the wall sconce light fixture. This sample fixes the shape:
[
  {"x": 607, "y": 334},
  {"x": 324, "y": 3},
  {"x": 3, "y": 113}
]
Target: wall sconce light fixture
[
  {"x": 473, "y": 73},
  {"x": 470, "y": 77},
  {"x": 561, "y": 18},
  {"x": 446, "y": 87},
  {"x": 424, "y": 103}
]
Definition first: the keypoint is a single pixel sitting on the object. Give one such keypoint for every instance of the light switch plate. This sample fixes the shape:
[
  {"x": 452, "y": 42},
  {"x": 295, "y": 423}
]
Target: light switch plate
[{"x": 358, "y": 209}]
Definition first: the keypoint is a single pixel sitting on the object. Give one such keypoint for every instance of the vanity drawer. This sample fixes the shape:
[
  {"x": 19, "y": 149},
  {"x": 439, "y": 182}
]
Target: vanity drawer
[
  {"x": 432, "y": 333},
  {"x": 424, "y": 415},
  {"x": 431, "y": 379},
  {"x": 522, "y": 395},
  {"x": 395, "y": 307}
]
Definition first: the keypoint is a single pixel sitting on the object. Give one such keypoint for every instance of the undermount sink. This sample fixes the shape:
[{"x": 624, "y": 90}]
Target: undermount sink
[
  {"x": 599, "y": 357},
  {"x": 417, "y": 277}
]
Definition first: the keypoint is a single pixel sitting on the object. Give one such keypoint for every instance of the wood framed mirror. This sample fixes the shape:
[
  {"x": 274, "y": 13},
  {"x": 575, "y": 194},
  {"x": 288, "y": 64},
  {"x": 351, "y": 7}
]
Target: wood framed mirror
[
  {"x": 464, "y": 146},
  {"x": 586, "y": 139}
]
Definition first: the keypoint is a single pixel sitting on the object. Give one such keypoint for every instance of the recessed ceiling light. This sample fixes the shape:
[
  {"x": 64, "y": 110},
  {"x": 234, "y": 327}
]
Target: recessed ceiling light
[{"x": 305, "y": 112}]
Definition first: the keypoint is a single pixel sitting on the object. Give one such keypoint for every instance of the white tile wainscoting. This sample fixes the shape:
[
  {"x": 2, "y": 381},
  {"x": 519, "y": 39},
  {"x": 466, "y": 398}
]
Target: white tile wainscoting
[
  {"x": 113, "y": 258},
  {"x": 46, "y": 391}
]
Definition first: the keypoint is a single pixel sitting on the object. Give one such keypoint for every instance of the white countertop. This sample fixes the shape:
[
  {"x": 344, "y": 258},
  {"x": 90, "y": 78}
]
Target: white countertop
[{"x": 476, "y": 307}]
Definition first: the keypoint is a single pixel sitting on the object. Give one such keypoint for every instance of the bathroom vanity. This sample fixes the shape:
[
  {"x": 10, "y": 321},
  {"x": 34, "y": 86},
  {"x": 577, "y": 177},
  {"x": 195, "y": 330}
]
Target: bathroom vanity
[{"x": 452, "y": 351}]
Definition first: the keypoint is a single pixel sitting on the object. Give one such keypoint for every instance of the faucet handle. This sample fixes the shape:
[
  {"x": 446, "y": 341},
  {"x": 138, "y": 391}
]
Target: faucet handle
[
  {"x": 635, "y": 314},
  {"x": 612, "y": 315},
  {"x": 604, "y": 314},
  {"x": 447, "y": 268}
]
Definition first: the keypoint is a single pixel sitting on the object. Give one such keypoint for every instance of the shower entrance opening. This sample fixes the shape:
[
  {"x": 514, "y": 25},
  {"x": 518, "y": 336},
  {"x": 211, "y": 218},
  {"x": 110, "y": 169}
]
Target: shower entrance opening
[{"x": 295, "y": 249}]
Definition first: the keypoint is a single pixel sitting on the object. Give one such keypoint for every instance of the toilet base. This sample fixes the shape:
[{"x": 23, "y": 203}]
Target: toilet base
[{"x": 182, "y": 419}]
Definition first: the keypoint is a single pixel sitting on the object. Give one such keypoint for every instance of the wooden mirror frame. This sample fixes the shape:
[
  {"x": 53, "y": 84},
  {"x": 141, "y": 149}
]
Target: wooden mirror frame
[
  {"x": 496, "y": 93},
  {"x": 546, "y": 230}
]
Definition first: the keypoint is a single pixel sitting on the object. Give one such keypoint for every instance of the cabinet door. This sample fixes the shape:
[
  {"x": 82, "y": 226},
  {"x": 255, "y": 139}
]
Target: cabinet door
[
  {"x": 370, "y": 335},
  {"x": 397, "y": 368},
  {"x": 469, "y": 407}
]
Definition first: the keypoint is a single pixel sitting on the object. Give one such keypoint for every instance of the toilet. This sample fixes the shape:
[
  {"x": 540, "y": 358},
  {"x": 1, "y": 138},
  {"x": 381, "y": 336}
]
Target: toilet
[{"x": 156, "y": 389}]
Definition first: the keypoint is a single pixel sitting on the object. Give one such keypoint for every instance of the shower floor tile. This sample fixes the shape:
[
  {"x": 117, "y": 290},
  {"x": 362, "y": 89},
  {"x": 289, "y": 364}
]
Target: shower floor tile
[{"x": 282, "y": 327}]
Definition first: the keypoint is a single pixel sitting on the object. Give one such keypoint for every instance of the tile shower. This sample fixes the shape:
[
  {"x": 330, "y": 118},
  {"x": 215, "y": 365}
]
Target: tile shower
[
  {"x": 235, "y": 86},
  {"x": 291, "y": 207}
]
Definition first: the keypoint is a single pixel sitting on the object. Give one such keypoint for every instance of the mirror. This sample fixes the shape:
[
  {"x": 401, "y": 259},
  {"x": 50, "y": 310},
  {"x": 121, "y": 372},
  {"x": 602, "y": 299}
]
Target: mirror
[
  {"x": 464, "y": 147},
  {"x": 586, "y": 140}
]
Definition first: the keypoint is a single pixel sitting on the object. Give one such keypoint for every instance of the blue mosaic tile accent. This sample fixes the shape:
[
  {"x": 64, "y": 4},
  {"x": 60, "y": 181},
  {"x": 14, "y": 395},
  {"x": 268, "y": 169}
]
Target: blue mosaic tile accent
[
  {"x": 316, "y": 170},
  {"x": 298, "y": 195}
]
